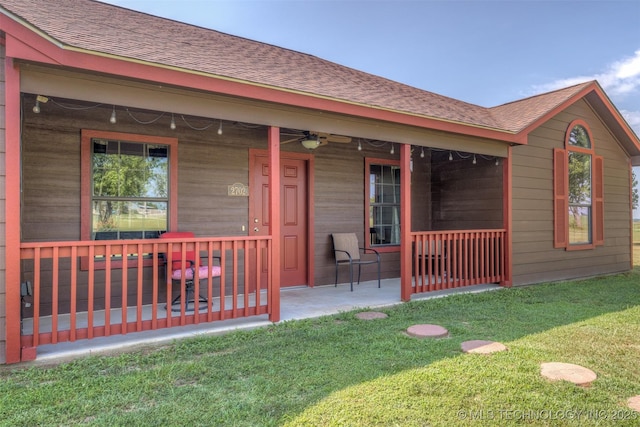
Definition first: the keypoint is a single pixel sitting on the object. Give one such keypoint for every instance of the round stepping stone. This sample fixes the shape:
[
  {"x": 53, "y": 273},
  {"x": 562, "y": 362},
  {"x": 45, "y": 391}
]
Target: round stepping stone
[
  {"x": 482, "y": 347},
  {"x": 569, "y": 372},
  {"x": 634, "y": 403},
  {"x": 427, "y": 331},
  {"x": 370, "y": 315}
]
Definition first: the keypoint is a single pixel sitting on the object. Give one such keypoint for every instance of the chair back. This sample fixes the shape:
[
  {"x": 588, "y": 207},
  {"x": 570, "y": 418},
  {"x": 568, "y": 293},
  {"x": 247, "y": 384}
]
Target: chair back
[
  {"x": 176, "y": 256},
  {"x": 346, "y": 242}
]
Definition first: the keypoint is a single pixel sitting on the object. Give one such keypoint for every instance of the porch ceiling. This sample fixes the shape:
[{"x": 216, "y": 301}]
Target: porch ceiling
[{"x": 65, "y": 83}]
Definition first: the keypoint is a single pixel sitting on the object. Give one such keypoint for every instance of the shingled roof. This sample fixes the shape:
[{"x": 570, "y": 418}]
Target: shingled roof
[{"x": 103, "y": 29}]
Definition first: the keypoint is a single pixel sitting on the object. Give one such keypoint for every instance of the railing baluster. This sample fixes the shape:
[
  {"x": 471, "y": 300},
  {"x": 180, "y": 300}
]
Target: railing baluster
[
  {"x": 37, "y": 288},
  {"x": 140, "y": 288},
  {"x": 107, "y": 291},
  {"x": 234, "y": 306},
  {"x": 74, "y": 294},
  {"x": 124, "y": 289},
  {"x": 54, "y": 295}
]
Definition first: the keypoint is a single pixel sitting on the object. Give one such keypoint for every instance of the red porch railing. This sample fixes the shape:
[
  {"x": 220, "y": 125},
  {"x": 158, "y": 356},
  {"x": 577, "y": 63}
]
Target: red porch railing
[
  {"x": 89, "y": 289},
  {"x": 452, "y": 259}
]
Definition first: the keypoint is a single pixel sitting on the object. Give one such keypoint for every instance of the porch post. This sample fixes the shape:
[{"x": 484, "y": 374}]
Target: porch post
[
  {"x": 11, "y": 214},
  {"x": 507, "y": 215},
  {"x": 405, "y": 222},
  {"x": 274, "y": 221}
]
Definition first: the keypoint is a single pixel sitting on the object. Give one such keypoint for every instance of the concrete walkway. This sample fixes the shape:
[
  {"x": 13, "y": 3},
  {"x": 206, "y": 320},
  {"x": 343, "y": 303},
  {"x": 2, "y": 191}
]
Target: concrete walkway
[{"x": 296, "y": 303}]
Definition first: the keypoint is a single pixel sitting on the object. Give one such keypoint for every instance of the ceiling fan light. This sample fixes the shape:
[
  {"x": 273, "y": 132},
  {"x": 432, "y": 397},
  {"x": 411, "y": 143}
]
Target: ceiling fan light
[{"x": 310, "y": 143}]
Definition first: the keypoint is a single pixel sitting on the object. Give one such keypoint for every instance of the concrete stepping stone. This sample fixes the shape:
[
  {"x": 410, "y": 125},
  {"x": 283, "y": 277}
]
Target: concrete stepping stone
[
  {"x": 576, "y": 374},
  {"x": 371, "y": 315},
  {"x": 482, "y": 347},
  {"x": 634, "y": 403},
  {"x": 427, "y": 331}
]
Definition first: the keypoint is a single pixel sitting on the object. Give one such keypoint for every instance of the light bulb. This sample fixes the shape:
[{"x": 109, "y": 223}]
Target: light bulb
[
  {"x": 422, "y": 153},
  {"x": 220, "y": 128},
  {"x": 392, "y": 150},
  {"x": 113, "y": 119},
  {"x": 173, "y": 123},
  {"x": 497, "y": 161},
  {"x": 474, "y": 159},
  {"x": 36, "y": 108},
  {"x": 450, "y": 156},
  {"x": 359, "y": 146}
]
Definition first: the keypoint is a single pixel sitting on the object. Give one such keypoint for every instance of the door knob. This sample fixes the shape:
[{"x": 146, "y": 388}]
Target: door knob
[{"x": 255, "y": 229}]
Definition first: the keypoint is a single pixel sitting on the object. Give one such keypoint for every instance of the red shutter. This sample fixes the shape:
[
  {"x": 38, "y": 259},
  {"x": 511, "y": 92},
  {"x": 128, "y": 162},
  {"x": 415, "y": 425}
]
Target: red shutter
[
  {"x": 598, "y": 200},
  {"x": 560, "y": 199}
]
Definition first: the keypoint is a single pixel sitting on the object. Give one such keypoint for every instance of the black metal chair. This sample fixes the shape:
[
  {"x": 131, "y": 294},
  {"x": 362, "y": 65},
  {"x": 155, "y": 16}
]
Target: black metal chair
[{"x": 346, "y": 250}]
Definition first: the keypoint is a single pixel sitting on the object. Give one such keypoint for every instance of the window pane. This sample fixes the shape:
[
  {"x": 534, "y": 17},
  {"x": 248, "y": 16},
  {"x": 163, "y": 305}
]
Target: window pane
[
  {"x": 579, "y": 225},
  {"x": 579, "y": 178},
  {"x": 130, "y": 189},
  {"x": 128, "y": 220},
  {"x": 579, "y": 137},
  {"x": 384, "y": 204}
]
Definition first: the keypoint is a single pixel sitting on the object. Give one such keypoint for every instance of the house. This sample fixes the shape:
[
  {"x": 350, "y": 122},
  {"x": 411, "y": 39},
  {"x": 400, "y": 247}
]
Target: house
[{"x": 119, "y": 126}]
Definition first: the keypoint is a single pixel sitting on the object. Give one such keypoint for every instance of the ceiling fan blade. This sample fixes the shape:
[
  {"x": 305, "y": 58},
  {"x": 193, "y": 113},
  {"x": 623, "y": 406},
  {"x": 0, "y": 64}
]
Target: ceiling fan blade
[
  {"x": 330, "y": 137},
  {"x": 290, "y": 140}
]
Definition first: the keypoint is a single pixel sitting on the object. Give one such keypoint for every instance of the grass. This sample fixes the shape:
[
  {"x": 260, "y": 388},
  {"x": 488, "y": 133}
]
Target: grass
[{"x": 338, "y": 370}]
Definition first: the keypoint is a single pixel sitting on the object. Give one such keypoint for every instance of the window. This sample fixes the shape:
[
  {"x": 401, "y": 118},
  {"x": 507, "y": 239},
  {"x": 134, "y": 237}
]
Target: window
[
  {"x": 127, "y": 185},
  {"x": 383, "y": 202},
  {"x": 578, "y": 191}
]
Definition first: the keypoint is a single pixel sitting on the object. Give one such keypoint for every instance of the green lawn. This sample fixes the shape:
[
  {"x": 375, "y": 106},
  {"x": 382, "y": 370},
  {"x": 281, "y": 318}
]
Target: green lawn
[{"x": 341, "y": 371}]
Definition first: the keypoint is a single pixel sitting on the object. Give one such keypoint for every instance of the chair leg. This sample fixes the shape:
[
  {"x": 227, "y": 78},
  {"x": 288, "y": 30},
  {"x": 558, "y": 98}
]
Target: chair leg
[
  {"x": 359, "y": 271},
  {"x": 336, "y": 274},
  {"x": 378, "y": 274},
  {"x": 351, "y": 271}
]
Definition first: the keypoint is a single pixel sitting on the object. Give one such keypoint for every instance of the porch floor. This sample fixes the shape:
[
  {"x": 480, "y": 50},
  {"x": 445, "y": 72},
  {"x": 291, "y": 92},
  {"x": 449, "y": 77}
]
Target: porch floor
[{"x": 296, "y": 303}]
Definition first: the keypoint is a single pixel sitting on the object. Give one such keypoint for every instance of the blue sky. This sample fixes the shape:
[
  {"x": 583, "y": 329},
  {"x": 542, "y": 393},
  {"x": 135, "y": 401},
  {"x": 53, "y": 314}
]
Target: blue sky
[{"x": 483, "y": 52}]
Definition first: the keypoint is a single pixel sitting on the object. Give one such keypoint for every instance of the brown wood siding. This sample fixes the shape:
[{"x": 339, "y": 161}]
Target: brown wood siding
[
  {"x": 470, "y": 196},
  {"x": 466, "y": 196},
  {"x": 534, "y": 258},
  {"x": 207, "y": 164},
  {"x": 339, "y": 207},
  {"x": 3, "y": 222}
]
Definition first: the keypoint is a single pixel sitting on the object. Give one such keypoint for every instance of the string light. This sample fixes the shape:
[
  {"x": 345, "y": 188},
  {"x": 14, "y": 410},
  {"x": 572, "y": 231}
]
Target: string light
[
  {"x": 422, "y": 152},
  {"x": 220, "y": 128},
  {"x": 392, "y": 150},
  {"x": 173, "y": 122},
  {"x": 450, "y": 156},
  {"x": 36, "y": 108},
  {"x": 359, "y": 146},
  {"x": 113, "y": 118},
  {"x": 474, "y": 159}
]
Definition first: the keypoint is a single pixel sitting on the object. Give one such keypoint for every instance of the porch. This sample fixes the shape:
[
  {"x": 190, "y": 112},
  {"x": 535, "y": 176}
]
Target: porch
[
  {"x": 84, "y": 293},
  {"x": 296, "y": 304}
]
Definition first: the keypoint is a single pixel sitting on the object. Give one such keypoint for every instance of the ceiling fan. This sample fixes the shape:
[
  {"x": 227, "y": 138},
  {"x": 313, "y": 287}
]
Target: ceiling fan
[{"x": 314, "y": 139}]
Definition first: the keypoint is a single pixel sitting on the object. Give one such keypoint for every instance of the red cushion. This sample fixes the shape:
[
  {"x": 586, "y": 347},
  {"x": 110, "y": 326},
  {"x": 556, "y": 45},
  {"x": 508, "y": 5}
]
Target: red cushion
[{"x": 203, "y": 272}]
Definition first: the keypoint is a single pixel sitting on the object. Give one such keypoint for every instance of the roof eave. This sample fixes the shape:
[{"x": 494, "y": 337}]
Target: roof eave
[
  {"x": 29, "y": 43},
  {"x": 629, "y": 139}
]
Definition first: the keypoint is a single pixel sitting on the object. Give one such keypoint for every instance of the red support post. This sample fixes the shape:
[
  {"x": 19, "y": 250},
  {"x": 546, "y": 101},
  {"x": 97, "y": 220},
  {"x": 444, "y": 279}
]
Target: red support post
[
  {"x": 274, "y": 221},
  {"x": 405, "y": 222},
  {"x": 13, "y": 301}
]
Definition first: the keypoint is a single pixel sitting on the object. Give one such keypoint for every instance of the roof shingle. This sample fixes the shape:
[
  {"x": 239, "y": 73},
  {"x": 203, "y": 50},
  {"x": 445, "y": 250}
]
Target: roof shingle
[{"x": 106, "y": 29}]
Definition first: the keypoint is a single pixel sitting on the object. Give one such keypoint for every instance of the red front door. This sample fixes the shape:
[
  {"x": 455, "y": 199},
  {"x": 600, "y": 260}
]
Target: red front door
[{"x": 293, "y": 202}]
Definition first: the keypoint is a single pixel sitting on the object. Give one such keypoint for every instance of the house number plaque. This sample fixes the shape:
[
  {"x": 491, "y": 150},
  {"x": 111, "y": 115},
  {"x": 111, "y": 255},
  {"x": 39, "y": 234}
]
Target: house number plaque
[{"x": 238, "y": 189}]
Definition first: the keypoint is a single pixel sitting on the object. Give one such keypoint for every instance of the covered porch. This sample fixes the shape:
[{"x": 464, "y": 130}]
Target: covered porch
[{"x": 79, "y": 284}]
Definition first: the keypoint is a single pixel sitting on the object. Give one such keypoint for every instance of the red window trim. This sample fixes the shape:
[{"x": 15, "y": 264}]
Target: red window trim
[
  {"x": 561, "y": 191},
  {"x": 86, "y": 136},
  {"x": 368, "y": 161}
]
